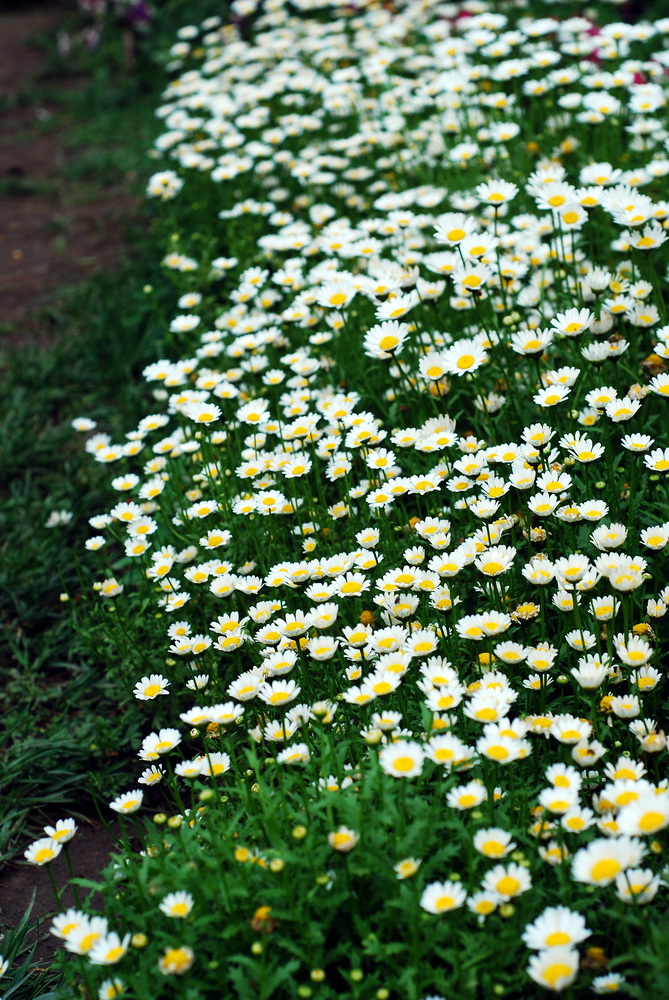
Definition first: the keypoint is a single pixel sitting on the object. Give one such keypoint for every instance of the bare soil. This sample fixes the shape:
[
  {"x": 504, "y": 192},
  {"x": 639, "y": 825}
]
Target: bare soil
[
  {"x": 89, "y": 852},
  {"x": 50, "y": 236}
]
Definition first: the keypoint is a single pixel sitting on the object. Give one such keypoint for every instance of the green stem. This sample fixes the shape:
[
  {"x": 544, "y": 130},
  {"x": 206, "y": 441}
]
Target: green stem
[
  {"x": 54, "y": 887},
  {"x": 68, "y": 862}
]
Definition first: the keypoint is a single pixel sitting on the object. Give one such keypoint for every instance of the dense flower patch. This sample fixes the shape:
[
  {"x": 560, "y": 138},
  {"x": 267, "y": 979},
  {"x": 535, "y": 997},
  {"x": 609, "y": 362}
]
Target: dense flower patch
[{"x": 393, "y": 539}]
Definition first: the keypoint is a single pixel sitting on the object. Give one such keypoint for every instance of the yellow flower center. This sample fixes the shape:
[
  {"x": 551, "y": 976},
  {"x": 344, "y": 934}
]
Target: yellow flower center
[
  {"x": 484, "y": 907},
  {"x": 557, "y": 938},
  {"x": 87, "y": 943},
  {"x": 606, "y": 869},
  {"x": 388, "y": 343},
  {"x": 176, "y": 959},
  {"x": 652, "y": 821},
  {"x": 508, "y": 886},
  {"x": 555, "y": 972},
  {"x": 486, "y": 715},
  {"x": 493, "y": 848}
]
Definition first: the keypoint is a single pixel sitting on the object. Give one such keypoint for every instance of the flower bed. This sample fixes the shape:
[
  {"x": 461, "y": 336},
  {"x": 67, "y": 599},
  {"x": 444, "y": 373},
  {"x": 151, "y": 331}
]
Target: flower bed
[{"x": 385, "y": 570}]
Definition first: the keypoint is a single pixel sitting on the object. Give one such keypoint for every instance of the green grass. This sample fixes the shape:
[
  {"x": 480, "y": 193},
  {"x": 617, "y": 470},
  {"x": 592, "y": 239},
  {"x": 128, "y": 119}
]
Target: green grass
[
  {"x": 99, "y": 335},
  {"x": 24, "y": 981},
  {"x": 60, "y": 721},
  {"x": 52, "y": 690}
]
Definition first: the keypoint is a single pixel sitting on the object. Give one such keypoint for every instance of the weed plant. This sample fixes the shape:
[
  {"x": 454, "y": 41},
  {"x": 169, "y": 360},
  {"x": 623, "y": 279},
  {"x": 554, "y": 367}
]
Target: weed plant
[{"x": 383, "y": 566}]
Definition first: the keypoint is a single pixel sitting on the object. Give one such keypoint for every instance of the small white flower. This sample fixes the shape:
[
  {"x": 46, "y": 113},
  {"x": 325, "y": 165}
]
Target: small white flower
[{"x": 128, "y": 803}]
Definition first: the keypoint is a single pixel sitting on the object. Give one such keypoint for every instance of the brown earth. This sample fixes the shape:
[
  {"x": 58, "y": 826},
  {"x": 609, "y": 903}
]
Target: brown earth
[
  {"x": 89, "y": 852},
  {"x": 51, "y": 234}
]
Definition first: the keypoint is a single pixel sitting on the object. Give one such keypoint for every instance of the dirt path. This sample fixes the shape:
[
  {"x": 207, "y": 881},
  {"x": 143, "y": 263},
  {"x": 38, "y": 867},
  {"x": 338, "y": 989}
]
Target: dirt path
[{"x": 49, "y": 235}]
